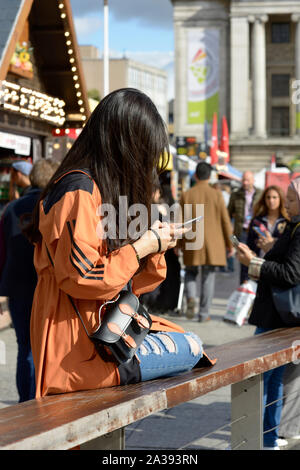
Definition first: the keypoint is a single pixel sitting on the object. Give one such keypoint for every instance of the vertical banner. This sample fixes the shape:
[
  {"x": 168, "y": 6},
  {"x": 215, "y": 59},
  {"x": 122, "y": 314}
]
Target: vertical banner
[{"x": 203, "y": 75}]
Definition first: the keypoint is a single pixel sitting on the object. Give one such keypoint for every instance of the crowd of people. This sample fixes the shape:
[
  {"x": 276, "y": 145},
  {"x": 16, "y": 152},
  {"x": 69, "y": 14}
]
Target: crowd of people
[{"x": 53, "y": 227}]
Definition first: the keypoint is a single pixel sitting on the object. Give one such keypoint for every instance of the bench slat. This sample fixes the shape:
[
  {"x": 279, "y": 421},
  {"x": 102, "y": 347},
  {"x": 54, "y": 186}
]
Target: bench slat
[{"x": 64, "y": 421}]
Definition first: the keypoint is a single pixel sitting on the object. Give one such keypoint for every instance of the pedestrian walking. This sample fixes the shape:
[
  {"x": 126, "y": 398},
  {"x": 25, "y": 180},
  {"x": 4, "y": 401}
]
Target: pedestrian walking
[
  {"x": 18, "y": 277},
  {"x": 113, "y": 158},
  {"x": 240, "y": 209},
  {"x": 279, "y": 267},
  {"x": 217, "y": 232}
]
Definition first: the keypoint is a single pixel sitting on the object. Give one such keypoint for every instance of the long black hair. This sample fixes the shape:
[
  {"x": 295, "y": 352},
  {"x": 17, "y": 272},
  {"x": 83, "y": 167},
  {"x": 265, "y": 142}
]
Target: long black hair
[{"x": 124, "y": 144}]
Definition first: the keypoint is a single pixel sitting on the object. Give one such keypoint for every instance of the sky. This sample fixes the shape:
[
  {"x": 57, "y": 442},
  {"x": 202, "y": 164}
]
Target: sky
[{"x": 138, "y": 29}]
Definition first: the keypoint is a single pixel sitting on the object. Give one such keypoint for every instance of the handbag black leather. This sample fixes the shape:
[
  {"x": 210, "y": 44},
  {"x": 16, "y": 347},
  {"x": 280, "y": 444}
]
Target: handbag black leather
[
  {"x": 287, "y": 304},
  {"x": 125, "y": 324}
]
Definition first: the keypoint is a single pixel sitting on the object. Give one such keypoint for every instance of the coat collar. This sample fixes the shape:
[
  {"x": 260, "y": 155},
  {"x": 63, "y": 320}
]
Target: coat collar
[{"x": 295, "y": 219}]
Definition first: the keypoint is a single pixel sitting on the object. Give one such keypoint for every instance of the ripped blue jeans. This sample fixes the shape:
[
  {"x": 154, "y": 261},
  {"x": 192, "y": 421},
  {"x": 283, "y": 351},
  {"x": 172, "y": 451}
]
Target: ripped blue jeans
[{"x": 165, "y": 354}]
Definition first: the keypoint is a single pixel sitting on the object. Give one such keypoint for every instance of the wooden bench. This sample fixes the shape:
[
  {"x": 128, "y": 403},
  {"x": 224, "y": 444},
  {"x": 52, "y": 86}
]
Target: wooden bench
[{"x": 65, "y": 421}]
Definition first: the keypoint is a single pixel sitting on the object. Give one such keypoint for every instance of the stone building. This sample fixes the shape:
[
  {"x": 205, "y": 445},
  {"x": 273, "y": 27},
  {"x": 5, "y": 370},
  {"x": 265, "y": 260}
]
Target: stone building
[
  {"x": 123, "y": 73},
  {"x": 241, "y": 59}
]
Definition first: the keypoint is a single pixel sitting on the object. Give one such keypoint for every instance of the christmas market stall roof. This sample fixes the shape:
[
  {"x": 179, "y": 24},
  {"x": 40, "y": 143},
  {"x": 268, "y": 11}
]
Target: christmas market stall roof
[{"x": 46, "y": 27}]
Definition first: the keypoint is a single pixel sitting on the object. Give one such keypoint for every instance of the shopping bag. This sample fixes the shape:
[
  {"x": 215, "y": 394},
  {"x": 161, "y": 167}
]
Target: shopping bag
[{"x": 240, "y": 302}]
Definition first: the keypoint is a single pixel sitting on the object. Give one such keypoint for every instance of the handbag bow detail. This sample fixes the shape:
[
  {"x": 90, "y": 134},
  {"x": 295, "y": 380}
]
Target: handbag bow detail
[
  {"x": 128, "y": 310},
  {"x": 114, "y": 328}
]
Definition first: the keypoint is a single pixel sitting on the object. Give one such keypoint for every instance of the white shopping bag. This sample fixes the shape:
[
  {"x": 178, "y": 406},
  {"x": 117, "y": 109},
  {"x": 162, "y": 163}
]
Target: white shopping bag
[{"x": 240, "y": 303}]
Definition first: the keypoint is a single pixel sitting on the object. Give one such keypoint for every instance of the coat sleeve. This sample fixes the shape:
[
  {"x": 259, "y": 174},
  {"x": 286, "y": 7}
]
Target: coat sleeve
[
  {"x": 151, "y": 276},
  {"x": 284, "y": 274},
  {"x": 82, "y": 267},
  {"x": 252, "y": 239},
  {"x": 231, "y": 206}
]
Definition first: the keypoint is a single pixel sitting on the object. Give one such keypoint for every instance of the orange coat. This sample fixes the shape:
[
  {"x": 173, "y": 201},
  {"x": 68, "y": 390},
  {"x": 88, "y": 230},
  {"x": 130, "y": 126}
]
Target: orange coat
[{"x": 65, "y": 358}]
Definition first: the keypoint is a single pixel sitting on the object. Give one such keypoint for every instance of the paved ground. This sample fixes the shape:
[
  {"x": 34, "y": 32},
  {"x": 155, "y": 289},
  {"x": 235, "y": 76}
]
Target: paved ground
[{"x": 203, "y": 423}]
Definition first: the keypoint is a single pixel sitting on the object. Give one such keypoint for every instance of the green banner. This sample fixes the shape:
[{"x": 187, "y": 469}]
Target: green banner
[
  {"x": 201, "y": 111},
  {"x": 203, "y": 75}
]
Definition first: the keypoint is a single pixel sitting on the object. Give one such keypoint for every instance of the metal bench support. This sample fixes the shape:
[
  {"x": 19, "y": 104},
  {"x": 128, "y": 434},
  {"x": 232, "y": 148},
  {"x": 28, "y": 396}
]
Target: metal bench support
[
  {"x": 246, "y": 414},
  {"x": 112, "y": 441}
]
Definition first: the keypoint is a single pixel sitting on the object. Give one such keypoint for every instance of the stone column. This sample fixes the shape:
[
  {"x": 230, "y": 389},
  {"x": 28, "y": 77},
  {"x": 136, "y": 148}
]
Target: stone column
[
  {"x": 259, "y": 72},
  {"x": 239, "y": 51},
  {"x": 296, "y": 19}
]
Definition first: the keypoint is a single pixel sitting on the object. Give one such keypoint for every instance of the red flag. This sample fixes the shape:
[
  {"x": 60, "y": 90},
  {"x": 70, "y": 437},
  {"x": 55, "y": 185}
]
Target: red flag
[
  {"x": 214, "y": 141},
  {"x": 224, "y": 145},
  {"x": 273, "y": 162}
]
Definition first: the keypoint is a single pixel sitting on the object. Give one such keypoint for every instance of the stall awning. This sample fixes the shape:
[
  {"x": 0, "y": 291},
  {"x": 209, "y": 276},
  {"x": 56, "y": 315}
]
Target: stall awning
[{"x": 230, "y": 172}]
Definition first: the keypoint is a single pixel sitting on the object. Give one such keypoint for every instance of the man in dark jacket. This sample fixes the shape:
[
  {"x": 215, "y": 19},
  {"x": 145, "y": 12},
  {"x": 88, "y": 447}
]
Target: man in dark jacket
[
  {"x": 240, "y": 209},
  {"x": 18, "y": 278}
]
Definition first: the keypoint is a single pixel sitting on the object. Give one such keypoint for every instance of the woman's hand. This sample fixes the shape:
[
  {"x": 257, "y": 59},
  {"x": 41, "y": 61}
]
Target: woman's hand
[
  {"x": 265, "y": 243},
  {"x": 168, "y": 233},
  {"x": 244, "y": 254},
  {"x": 161, "y": 237}
]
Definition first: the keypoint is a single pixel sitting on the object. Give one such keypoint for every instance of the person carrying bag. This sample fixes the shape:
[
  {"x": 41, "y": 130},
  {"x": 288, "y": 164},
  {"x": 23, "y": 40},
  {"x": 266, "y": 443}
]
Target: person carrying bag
[{"x": 278, "y": 271}]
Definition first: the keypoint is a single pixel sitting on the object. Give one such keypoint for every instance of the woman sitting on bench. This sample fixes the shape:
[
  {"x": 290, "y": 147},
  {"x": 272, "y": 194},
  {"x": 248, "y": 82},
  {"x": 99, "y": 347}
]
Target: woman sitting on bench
[{"x": 115, "y": 159}]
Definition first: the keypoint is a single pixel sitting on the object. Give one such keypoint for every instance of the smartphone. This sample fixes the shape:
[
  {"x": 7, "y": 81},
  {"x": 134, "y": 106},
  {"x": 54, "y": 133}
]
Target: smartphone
[
  {"x": 235, "y": 241},
  {"x": 259, "y": 231},
  {"x": 189, "y": 222}
]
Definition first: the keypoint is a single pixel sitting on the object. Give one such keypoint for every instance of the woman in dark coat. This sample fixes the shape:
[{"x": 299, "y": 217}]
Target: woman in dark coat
[
  {"x": 280, "y": 267},
  {"x": 269, "y": 217}
]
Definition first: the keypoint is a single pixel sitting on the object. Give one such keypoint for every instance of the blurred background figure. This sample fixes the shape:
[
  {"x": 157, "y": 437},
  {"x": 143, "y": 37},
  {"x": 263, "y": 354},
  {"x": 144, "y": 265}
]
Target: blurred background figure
[
  {"x": 19, "y": 179},
  {"x": 269, "y": 220},
  {"x": 18, "y": 277},
  {"x": 165, "y": 297},
  {"x": 217, "y": 231},
  {"x": 240, "y": 209},
  {"x": 169, "y": 289}
]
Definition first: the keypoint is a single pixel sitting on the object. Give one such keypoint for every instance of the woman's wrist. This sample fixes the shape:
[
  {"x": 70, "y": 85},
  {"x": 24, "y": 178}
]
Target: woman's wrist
[
  {"x": 145, "y": 245},
  {"x": 158, "y": 239},
  {"x": 255, "y": 267}
]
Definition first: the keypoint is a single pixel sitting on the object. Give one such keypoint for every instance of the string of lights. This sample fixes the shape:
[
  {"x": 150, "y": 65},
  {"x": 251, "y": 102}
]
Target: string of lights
[
  {"x": 31, "y": 102},
  {"x": 72, "y": 60},
  {"x": 35, "y": 104}
]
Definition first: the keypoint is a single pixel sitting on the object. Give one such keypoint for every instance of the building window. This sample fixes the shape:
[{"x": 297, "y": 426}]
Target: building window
[
  {"x": 280, "y": 32},
  {"x": 280, "y": 85},
  {"x": 280, "y": 122}
]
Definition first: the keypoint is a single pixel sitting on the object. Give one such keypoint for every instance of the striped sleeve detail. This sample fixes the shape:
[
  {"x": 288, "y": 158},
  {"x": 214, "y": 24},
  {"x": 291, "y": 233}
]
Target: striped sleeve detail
[
  {"x": 255, "y": 267},
  {"x": 80, "y": 261}
]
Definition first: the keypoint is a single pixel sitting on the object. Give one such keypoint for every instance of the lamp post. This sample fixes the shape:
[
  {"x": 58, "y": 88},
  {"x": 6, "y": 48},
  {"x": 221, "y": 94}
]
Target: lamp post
[{"x": 105, "y": 51}]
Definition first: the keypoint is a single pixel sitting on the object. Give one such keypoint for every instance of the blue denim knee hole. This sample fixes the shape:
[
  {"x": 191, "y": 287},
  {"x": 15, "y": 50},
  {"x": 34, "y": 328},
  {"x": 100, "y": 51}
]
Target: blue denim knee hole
[{"x": 160, "y": 361}]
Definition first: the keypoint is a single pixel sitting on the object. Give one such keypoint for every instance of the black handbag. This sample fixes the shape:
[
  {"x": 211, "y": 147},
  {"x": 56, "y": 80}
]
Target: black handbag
[
  {"x": 124, "y": 326},
  {"x": 287, "y": 304}
]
